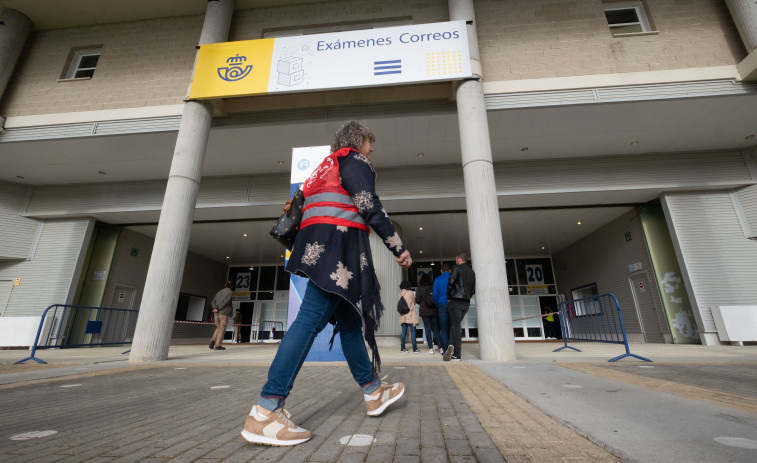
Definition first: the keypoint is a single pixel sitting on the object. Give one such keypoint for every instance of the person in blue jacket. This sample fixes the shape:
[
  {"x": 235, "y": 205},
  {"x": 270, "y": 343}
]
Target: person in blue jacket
[{"x": 441, "y": 301}]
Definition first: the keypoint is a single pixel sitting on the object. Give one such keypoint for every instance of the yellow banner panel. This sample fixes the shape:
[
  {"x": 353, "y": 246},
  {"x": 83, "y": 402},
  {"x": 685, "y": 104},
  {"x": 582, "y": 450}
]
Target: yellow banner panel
[{"x": 232, "y": 69}]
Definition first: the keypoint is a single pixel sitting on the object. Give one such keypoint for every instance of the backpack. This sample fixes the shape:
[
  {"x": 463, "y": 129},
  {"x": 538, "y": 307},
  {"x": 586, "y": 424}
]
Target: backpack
[
  {"x": 402, "y": 307},
  {"x": 429, "y": 297}
]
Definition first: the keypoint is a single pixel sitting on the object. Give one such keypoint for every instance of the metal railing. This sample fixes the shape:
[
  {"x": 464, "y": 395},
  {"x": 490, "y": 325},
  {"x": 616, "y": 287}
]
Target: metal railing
[
  {"x": 63, "y": 326},
  {"x": 596, "y": 319}
]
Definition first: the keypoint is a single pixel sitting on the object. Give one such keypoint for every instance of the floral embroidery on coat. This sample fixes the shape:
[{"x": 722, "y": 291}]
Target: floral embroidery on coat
[
  {"x": 363, "y": 261},
  {"x": 394, "y": 241},
  {"x": 360, "y": 157},
  {"x": 342, "y": 276},
  {"x": 341, "y": 228},
  {"x": 312, "y": 253},
  {"x": 363, "y": 201}
]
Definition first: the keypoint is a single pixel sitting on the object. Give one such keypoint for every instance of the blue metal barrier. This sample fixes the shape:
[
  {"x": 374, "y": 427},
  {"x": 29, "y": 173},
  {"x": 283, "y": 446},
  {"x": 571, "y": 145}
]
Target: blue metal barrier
[
  {"x": 595, "y": 318},
  {"x": 64, "y": 326}
]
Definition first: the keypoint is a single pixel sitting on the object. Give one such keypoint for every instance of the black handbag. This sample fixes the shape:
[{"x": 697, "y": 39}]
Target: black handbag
[{"x": 288, "y": 225}]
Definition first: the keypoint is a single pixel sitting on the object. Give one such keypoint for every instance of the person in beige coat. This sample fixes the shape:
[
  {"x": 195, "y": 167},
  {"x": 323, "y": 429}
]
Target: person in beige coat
[{"x": 410, "y": 319}]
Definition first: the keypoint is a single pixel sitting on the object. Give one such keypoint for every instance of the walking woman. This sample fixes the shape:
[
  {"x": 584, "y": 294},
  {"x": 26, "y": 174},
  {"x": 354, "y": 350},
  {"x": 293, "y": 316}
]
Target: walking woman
[{"x": 332, "y": 250}]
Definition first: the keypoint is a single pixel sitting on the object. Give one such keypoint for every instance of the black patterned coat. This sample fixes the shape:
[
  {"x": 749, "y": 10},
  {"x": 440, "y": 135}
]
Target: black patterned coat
[{"x": 338, "y": 259}]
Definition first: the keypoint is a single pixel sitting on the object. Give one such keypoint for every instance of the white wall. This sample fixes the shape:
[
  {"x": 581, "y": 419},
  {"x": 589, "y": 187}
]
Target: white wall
[
  {"x": 50, "y": 276},
  {"x": 718, "y": 262},
  {"x": 18, "y": 233}
]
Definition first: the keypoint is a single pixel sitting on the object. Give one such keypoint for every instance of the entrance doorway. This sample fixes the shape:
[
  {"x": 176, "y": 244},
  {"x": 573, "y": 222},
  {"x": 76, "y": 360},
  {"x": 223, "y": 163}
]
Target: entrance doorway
[{"x": 645, "y": 307}]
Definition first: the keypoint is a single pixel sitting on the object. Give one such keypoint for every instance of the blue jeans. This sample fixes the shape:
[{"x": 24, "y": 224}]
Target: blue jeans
[
  {"x": 315, "y": 312},
  {"x": 412, "y": 336},
  {"x": 443, "y": 326},
  {"x": 431, "y": 328}
]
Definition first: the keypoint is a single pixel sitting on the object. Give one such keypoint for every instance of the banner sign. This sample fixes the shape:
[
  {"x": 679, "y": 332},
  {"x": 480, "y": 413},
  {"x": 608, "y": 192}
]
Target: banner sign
[
  {"x": 364, "y": 58},
  {"x": 304, "y": 162}
]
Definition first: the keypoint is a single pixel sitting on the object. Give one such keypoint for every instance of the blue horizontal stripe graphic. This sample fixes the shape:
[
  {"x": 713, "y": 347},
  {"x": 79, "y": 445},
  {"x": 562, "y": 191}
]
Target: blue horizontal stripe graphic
[
  {"x": 378, "y": 68},
  {"x": 388, "y": 62},
  {"x": 386, "y": 72}
]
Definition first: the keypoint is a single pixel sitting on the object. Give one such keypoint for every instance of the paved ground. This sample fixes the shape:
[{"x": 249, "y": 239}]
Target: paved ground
[{"x": 692, "y": 404}]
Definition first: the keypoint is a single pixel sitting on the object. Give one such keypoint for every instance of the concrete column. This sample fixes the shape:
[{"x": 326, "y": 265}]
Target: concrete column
[
  {"x": 156, "y": 314},
  {"x": 14, "y": 30},
  {"x": 495, "y": 326},
  {"x": 744, "y": 13}
]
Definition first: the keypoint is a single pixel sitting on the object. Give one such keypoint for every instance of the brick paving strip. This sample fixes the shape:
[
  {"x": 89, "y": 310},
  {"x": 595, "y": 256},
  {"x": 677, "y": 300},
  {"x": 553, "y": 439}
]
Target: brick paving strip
[
  {"x": 521, "y": 432},
  {"x": 686, "y": 380}
]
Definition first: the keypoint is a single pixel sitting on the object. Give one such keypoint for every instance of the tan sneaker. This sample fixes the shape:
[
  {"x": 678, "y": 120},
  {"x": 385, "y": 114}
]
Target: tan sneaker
[
  {"x": 275, "y": 430},
  {"x": 384, "y": 396}
]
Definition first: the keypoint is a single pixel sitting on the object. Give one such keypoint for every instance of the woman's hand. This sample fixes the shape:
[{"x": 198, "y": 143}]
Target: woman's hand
[
  {"x": 288, "y": 205},
  {"x": 404, "y": 260}
]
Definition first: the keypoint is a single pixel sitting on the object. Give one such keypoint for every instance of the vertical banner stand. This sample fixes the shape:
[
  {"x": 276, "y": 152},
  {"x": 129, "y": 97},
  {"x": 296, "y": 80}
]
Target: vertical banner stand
[{"x": 304, "y": 161}]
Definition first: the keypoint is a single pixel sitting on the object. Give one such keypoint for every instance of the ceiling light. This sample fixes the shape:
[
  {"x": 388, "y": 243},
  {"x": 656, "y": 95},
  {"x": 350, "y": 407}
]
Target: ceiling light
[
  {"x": 420, "y": 252},
  {"x": 634, "y": 143},
  {"x": 228, "y": 257},
  {"x": 420, "y": 228},
  {"x": 542, "y": 248},
  {"x": 420, "y": 155},
  {"x": 252, "y": 268},
  {"x": 578, "y": 223},
  {"x": 245, "y": 234},
  {"x": 432, "y": 264},
  {"x": 281, "y": 163}
]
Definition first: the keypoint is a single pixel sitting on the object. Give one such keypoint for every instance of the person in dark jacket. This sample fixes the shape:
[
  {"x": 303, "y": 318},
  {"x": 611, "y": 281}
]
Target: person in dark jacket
[
  {"x": 424, "y": 297},
  {"x": 332, "y": 251},
  {"x": 460, "y": 288}
]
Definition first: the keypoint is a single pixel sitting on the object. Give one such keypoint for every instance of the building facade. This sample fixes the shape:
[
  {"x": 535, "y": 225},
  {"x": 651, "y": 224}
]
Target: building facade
[{"x": 604, "y": 146}]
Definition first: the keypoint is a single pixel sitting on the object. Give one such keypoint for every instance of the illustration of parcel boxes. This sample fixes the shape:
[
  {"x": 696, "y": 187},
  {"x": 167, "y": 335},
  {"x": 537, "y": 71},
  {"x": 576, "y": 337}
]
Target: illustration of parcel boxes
[{"x": 290, "y": 71}]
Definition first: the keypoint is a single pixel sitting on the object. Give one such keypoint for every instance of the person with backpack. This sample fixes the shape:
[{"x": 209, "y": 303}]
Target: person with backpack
[
  {"x": 428, "y": 311},
  {"x": 408, "y": 315}
]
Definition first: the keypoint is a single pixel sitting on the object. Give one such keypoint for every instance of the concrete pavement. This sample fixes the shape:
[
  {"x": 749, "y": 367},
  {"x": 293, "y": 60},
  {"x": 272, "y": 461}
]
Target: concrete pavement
[{"x": 692, "y": 404}]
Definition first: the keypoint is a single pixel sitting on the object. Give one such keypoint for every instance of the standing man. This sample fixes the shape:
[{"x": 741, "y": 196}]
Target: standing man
[
  {"x": 440, "y": 300},
  {"x": 237, "y": 320},
  {"x": 221, "y": 307},
  {"x": 460, "y": 288}
]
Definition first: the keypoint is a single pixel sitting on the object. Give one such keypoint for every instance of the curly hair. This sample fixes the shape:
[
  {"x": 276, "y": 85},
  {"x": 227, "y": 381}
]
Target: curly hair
[{"x": 351, "y": 135}]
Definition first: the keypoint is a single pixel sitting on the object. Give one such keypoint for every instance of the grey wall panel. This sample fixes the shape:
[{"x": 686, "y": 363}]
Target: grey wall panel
[
  {"x": 83, "y": 199},
  {"x": 619, "y": 172},
  {"x": 611, "y": 173},
  {"x": 47, "y": 278},
  {"x": 603, "y": 257},
  {"x": 746, "y": 200},
  {"x": 222, "y": 190},
  {"x": 719, "y": 261},
  {"x": 19, "y": 233}
]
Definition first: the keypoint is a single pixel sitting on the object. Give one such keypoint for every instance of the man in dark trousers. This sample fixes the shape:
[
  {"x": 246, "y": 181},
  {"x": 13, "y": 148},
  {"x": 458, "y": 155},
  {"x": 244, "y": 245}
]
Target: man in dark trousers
[
  {"x": 221, "y": 307},
  {"x": 460, "y": 288}
]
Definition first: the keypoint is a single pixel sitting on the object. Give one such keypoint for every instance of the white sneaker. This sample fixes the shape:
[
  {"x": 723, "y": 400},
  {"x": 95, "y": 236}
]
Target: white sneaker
[
  {"x": 431, "y": 352},
  {"x": 384, "y": 396},
  {"x": 276, "y": 429}
]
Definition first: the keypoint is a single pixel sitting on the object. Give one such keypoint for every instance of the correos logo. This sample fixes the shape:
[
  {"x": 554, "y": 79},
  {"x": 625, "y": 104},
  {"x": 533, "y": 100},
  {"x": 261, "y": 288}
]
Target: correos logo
[
  {"x": 303, "y": 164},
  {"x": 236, "y": 69}
]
